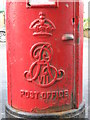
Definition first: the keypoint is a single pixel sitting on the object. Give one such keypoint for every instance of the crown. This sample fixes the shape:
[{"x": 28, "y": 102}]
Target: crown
[{"x": 42, "y": 26}]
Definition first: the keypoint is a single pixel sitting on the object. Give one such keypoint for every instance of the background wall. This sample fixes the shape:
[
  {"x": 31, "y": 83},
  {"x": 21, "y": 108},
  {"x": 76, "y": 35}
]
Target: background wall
[
  {"x": 2, "y": 5},
  {"x": 86, "y": 8},
  {"x": 2, "y": 12}
]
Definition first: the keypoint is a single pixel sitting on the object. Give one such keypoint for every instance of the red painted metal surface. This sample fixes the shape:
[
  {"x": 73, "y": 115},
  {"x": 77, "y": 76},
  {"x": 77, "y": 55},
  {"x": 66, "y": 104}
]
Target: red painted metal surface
[{"x": 44, "y": 56}]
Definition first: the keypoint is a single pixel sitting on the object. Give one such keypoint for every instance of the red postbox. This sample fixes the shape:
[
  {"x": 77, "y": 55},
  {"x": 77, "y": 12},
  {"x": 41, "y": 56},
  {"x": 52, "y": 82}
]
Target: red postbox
[{"x": 44, "y": 59}]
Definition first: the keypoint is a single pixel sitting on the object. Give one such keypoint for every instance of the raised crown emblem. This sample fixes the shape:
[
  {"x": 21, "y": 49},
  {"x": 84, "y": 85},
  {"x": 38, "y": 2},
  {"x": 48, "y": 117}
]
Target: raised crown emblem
[{"x": 42, "y": 26}]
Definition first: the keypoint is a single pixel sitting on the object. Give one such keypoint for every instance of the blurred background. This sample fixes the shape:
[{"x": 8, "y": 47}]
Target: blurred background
[
  {"x": 86, "y": 23},
  {"x": 2, "y": 20},
  {"x": 3, "y": 69},
  {"x": 2, "y": 12}
]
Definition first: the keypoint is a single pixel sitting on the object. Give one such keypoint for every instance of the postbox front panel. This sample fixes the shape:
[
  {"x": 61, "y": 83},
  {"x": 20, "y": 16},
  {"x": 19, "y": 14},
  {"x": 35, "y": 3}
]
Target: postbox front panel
[{"x": 40, "y": 51}]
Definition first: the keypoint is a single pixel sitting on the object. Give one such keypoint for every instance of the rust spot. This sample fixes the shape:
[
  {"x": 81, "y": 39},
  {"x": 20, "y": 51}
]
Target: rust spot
[
  {"x": 78, "y": 40},
  {"x": 52, "y": 109}
]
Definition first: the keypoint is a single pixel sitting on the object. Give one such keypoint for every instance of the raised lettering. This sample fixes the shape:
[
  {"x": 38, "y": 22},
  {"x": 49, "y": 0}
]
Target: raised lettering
[
  {"x": 32, "y": 96},
  {"x": 22, "y": 93},
  {"x": 27, "y": 94},
  {"x": 60, "y": 94},
  {"x": 36, "y": 94},
  {"x": 54, "y": 95},
  {"x": 48, "y": 95},
  {"x": 44, "y": 95},
  {"x": 65, "y": 93}
]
